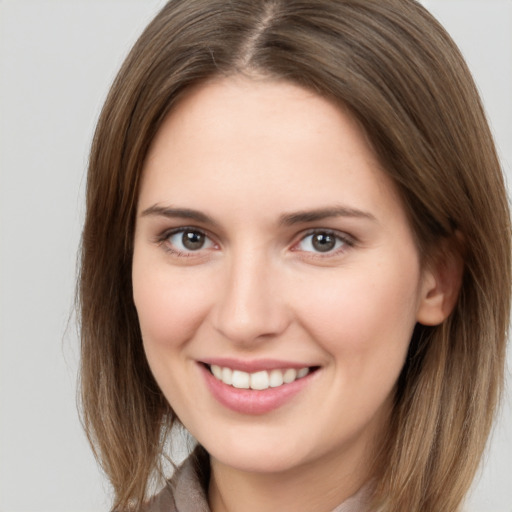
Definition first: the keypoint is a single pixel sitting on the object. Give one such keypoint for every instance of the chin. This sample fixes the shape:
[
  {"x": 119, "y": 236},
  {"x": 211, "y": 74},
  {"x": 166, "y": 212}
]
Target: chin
[
  {"x": 254, "y": 461},
  {"x": 246, "y": 455}
]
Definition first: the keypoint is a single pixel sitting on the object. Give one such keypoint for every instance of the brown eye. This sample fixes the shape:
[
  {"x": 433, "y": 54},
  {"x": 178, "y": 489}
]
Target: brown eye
[
  {"x": 188, "y": 240},
  {"x": 193, "y": 240},
  {"x": 323, "y": 242}
]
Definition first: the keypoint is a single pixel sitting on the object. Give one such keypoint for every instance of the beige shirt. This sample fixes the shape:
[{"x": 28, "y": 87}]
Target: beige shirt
[{"x": 186, "y": 492}]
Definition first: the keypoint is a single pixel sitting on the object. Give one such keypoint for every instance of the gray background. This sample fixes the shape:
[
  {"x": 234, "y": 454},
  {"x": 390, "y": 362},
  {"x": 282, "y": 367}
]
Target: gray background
[{"x": 57, "y": 59}]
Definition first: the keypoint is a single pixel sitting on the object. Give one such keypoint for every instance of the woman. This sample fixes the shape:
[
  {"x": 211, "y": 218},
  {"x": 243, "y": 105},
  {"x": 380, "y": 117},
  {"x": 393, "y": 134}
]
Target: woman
[{"x": 297, "y": 246}]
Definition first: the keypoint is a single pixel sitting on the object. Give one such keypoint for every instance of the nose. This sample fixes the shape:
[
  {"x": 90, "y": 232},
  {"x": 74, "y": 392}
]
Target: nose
[{"x": 251, "y": 307}]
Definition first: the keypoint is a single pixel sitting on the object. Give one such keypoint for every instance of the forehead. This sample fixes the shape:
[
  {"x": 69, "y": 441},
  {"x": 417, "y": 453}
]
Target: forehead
[
  {"x": 263, "y": 107},
  {"x": 262, "y": 141}
]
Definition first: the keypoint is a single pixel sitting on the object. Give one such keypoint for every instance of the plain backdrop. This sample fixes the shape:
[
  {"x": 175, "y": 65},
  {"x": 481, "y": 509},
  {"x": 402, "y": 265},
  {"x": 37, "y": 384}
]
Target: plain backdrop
[{"x": 57, "y": 59}]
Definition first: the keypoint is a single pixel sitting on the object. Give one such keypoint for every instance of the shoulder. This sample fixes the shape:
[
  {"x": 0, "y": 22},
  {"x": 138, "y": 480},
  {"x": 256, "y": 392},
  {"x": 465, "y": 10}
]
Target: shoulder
[
  {"x": 162, "y": 502},
  {"x": 187, "y": 489}
]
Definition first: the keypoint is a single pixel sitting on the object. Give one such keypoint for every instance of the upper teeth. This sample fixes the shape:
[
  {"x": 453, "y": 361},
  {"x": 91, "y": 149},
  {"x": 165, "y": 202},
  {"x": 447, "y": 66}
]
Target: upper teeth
[{"x": 259, "y": 380}]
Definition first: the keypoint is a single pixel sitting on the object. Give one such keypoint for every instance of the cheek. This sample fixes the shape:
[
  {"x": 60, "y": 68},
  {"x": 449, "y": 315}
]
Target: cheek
[
  {"x": 364, "y": 323},
  {"x": 170, "y": 304},
  {"x": 364, "y": 320},
  {"x": 170, "y": 307}
]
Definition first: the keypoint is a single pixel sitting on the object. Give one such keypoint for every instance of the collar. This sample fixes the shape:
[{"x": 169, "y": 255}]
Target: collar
[{"x": 187, "y": 490}]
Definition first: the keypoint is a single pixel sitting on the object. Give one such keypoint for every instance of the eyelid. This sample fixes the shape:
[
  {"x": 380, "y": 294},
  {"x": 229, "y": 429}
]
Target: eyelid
[
  {"x": 163, "y": 240},
  {"x": 347, "y": 240}
]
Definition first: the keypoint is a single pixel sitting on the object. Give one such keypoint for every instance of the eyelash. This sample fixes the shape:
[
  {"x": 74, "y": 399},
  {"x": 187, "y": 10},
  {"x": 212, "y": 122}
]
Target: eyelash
[
  {"x": 347, "y": 241},
  {"x": 163, "y": 240}
]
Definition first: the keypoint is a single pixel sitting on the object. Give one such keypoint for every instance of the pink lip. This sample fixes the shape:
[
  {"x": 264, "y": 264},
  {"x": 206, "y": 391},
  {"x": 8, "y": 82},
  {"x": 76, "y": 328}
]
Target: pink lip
[
  {"x": 249, "y": 401},
  {"x": 255, "y": 365}
]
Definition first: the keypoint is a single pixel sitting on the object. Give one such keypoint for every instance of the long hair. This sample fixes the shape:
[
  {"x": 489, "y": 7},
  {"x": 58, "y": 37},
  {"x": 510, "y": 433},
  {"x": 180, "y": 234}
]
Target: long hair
[{"x": 400, "y": 74}]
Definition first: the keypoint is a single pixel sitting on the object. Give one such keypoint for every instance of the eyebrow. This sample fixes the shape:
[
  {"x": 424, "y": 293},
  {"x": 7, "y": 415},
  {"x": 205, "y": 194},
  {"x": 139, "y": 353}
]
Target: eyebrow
[
  {"x": 287, "y": 219},
  {"x": 181, "y": 213},
  {"x": 305, "y": 216}
]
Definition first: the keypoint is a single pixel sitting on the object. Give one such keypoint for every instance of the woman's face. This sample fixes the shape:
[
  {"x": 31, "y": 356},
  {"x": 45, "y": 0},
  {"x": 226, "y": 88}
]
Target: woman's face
[{"x": 271, "y": 250}]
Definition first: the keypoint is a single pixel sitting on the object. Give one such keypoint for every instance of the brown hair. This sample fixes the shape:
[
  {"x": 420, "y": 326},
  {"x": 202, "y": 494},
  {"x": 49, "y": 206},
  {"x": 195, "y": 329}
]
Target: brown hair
[{"x": 404, "y": 79}]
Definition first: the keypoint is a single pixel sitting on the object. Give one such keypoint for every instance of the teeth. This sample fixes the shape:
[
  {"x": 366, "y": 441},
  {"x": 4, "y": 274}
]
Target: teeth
[
  {"x": 259, "y": 380},
  {"x": 276, "y": 378},
  {"x": 217, "y": 371},
  {"x": 241, "y": 380},
  {"x": 302, "y": 373},
  {"x": 227, "y": 376},
  {"x": 289, "y": 375}
]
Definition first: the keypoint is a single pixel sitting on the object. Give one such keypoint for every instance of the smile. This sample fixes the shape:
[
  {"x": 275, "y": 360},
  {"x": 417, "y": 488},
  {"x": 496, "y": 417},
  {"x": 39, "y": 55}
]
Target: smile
[
  {"x": 259, "y": 380},
  {"x": 256, "y": 387}
]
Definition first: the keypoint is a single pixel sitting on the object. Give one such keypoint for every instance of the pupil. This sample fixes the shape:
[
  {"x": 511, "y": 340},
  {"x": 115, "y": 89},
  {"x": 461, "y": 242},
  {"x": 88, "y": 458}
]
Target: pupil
[
  {"x": 193, "y": 240},
  {"x": 323, "y": 242}
]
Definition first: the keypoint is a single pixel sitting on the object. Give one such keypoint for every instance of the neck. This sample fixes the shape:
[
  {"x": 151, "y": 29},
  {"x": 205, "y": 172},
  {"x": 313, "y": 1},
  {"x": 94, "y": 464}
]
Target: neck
[{"x": 320, "y": 487}]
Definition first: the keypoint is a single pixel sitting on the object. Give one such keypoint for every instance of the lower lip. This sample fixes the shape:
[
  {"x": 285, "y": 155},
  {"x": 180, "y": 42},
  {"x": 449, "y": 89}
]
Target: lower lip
[{"x": 250, "y": 401}]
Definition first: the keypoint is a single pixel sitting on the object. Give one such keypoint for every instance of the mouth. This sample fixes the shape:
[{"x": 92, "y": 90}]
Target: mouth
[
  {"x": 260, "y": 380},
  {"x": 257, "y": 386}
]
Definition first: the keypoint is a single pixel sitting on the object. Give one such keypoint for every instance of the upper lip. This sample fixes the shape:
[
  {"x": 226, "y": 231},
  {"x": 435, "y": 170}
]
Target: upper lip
[{"x": 255, "y": 365}]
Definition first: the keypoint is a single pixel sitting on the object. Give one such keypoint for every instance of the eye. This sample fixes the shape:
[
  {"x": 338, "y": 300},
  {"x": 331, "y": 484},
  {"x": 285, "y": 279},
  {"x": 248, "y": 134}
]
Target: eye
[
  {"x": 323, "y": 242},
  {"x": 187, "y": 240}
]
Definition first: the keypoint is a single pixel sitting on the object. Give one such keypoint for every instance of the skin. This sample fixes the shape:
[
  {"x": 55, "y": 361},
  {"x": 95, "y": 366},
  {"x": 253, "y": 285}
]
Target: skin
[{"x": 246, "y": 153}]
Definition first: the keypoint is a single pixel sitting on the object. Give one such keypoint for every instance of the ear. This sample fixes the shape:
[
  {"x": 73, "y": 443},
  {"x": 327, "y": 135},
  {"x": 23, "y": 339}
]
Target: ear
[{"x": 441, "y": 282}]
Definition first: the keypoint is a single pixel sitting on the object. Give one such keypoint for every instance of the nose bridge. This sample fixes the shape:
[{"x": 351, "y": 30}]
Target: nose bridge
[{"x": 250, "y": 305}]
